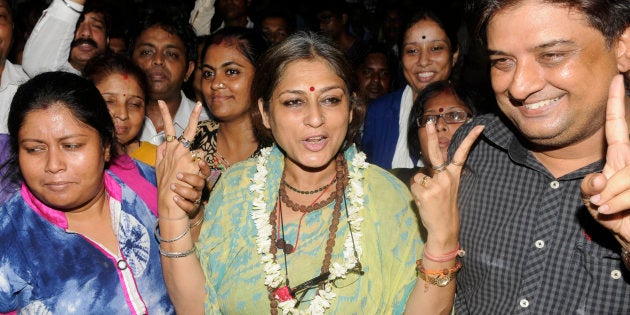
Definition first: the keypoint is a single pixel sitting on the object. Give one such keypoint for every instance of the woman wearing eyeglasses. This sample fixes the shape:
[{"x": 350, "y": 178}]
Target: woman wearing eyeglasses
[
  {"x": 443, "y": 104},
  {"x": 308, "y": 227}
]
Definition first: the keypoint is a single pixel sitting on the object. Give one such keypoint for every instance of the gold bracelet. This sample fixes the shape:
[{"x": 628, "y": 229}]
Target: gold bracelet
[{"x": 439, "y": 278}]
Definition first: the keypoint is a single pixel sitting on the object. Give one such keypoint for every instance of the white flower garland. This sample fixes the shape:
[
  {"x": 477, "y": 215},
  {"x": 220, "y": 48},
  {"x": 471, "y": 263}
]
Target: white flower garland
[{"x": 260, "y": 214}]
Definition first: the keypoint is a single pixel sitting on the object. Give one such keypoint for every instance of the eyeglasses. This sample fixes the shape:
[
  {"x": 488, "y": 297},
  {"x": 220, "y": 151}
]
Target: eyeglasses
[
  {"x": 299, "y": 292},
  {"x": 450, "y": 118}
]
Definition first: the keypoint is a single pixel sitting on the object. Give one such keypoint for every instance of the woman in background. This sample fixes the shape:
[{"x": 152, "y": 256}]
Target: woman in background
[
  {"x": 227, "y": 70},
  {"x": 445, "y": 105},
  {"x": 429, "y": 51}
]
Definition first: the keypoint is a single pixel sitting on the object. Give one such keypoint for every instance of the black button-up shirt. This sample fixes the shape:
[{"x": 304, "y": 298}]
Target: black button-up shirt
[{"x": 531, "y": 246}]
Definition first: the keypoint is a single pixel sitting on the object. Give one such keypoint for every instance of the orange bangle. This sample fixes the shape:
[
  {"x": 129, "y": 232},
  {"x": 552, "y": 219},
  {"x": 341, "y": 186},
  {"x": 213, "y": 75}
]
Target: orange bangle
[{"x": 439, "y": 278}]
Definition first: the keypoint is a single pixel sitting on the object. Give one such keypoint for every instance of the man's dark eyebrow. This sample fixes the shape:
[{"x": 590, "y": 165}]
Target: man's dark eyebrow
[{"x": 539, "y": 47}]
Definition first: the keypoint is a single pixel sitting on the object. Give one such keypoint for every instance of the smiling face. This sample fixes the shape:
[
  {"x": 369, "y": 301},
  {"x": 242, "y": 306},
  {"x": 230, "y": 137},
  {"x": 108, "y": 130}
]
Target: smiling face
[
  {"x": 162, "y": 56},
  {"x": 61, "y": 159},
  {"x": 125, "y": 102},
  {"x": 226, "y": 80},
  {"x": 426, "y": 55},
  {"x": 550, "y": 72},
  {"x": 309, "y": 114},
  {"x": 442, "y": 103}
]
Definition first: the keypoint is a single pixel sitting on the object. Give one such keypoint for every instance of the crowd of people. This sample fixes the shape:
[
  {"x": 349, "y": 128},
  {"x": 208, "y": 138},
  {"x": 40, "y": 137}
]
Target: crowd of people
[{"x": 380, "y": 157}]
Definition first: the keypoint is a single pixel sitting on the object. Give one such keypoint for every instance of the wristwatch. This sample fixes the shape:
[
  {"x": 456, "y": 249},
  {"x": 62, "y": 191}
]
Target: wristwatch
[{"x": 625, "y": 257}]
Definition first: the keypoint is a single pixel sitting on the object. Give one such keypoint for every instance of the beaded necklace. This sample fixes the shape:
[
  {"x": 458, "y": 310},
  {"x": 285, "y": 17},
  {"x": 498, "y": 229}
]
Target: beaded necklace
[
  {"x": 307, "y": 192},
  {"x": 330, "y": 244}
]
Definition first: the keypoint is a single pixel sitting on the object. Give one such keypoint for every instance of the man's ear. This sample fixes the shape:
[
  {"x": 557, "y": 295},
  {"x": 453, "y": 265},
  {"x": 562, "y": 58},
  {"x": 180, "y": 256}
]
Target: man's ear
[
  {"x": 263, "y": 114},
  {"x": 189, "y": 70},
  {"x": 623, "y": 51}
]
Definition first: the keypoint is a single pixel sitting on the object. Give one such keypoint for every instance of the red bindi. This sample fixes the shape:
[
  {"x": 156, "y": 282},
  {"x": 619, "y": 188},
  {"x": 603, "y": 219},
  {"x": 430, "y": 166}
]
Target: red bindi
[
  {"x": 312, "y": 89},
  {"x": 441, "y": 109},
  {"x": 125, "y": 76}
]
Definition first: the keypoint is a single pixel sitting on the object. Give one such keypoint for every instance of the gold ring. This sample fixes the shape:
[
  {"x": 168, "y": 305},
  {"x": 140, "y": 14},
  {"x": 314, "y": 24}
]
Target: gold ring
[
  {"x": 185, "y": 142},
  {"x": 170, "y": 138},
  {"x": 196, "y": 155},
  {"x": 424, "y": 180},
  {"x": 457, "y": 163}
]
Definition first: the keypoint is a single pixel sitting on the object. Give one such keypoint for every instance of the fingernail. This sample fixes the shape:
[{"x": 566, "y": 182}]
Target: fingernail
[
  {"x": 595, "y": 199},
  {"x": 175, "y": 198},
  {"x": 180, "y": 176},
  {"x": 173, "y": 187},
  {"x": 604, "y": 209}
]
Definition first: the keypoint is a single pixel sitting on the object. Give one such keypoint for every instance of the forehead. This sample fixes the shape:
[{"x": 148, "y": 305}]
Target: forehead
[
  {"x": 223, "y": 52},
  {"x": 535, "y": 24},
  {"x": 94, "y": 16},
  {"x": 302, "y": 74},
  {"x": 426, "y": 28},
  {"x": 158, "y": 36},
  {"x": 274, "y": 21},
  {"x": 375, "y": 59},
  {"x": 444, "y": 100},
  {"x": 57, "y": 119}
]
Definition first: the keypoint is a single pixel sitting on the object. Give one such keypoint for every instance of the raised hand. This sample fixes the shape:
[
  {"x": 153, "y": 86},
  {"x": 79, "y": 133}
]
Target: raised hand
[
  {"x": 178, "y": 169},
  {"x": 607, "y": 194},
  {"x": 436, "y": 197}
]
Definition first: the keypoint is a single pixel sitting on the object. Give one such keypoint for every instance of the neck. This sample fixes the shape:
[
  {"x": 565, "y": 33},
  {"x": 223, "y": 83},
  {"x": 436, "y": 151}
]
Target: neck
[
  {"x": 307, "y": 178},
  {"x": 93, "y": 210},
  {"x": 567, "y": 159},
  {"x": 153, "y": 110}
]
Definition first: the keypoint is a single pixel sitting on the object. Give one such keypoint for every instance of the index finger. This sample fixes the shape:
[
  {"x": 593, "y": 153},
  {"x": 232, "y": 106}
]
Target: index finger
[{"x": 616, "y": 127}]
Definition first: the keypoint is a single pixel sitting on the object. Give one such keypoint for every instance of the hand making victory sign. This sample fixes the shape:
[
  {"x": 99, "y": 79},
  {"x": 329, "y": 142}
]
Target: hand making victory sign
[{"x": 607, "y": 195}]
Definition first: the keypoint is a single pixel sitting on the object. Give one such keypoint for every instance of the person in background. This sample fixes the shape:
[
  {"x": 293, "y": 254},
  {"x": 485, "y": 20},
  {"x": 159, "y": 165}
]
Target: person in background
[
  {"x": 11, "y": 76},
  {"x": 333, "y": 17},
  {"x": 276, "y": 25},
  {"x": 70, "y": 208},
  {"x": 227, "y": 69},
  {"x": 69, "y": 33},
  {"x": 232, "y": 13},
  {"x": 543, "y": 202},
  {"x": 445, "y": 105},
  {"x": 124, "y": 87},
  {"x": 312, "y": 182},
  {"x": 374, "y": 73},
  {"x": 163, "y": 46},
  {"x": 429, "y": 51}
]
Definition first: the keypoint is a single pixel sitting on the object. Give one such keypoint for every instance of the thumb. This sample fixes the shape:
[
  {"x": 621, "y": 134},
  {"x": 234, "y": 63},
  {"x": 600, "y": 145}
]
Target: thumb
[{"x": 593, "y": 184}]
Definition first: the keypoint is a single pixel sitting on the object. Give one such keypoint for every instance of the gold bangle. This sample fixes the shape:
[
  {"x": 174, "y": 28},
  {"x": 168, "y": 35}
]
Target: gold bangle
[{"x": 439, "y": 278}]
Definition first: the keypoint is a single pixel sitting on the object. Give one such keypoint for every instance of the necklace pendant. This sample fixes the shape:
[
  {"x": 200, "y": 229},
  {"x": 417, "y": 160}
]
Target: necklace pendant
[{"x": 284, "y": 246}]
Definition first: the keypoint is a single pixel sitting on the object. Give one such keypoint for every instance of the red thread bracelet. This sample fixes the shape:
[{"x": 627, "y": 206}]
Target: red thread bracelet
[{"x": 446, "y": 257}]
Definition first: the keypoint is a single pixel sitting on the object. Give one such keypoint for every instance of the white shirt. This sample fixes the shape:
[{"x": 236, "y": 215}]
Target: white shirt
[
  {"x": 12, "y": 77},
  {"x": 186, "y": 106},
  {"x": 401, "y": 156},
  {"x": 48, "y": 46}
]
